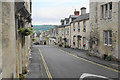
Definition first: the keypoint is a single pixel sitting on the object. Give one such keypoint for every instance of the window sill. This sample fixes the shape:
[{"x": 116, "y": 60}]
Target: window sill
[
  {"x": 107, "y": 44},
  {"x": 107, "y": 18}
]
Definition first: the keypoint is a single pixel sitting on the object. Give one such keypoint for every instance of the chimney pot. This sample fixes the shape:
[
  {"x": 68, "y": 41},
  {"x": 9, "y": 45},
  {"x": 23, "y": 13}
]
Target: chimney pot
[
  {"x": 76, "y": 12},
  {"x": 83, "y": 10}
]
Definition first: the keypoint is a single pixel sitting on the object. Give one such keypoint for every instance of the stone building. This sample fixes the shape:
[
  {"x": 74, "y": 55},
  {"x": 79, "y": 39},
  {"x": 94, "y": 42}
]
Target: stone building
[
  {"x": 104, "y": 21},
  {"x": 53, "y": 35},
  {"x": 15, "y": 47},
  {"x": 8, "y": 39},
  {"x": 64, "y": 30},
  {"x": 23, "y": 43},
  {"x": 80, "y": 31},
  {"x": 67, "y": 38},
  {"x": 43, "y": 37},
  {"x": 61, "y": 33},
  {"x": 71, "y": 19},
  {"x": 56, "y": 33}
]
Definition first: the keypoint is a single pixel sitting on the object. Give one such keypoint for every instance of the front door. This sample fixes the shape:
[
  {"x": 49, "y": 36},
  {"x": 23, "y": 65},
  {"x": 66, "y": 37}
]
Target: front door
[{"x": 78, "y": 43}]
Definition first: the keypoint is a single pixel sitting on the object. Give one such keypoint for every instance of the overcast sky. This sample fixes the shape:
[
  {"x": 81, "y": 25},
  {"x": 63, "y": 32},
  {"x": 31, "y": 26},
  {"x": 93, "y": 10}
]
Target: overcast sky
[{"x": 47, "y": 12}]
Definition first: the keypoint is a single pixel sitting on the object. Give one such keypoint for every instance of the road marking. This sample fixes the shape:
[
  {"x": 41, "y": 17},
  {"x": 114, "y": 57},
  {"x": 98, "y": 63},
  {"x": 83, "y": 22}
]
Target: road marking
[
  {"x": 41, "y": 71},
  {"x": 90, "y": 61},
  {"x": 45, "y": 65}
]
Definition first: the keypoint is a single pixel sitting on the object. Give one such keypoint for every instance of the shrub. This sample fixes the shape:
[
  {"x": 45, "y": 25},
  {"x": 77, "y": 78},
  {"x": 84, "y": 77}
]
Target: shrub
[
  {"x": 67, "y": 46},
  {"x": 21, "y": 77},
  {"x": 108, "y": 58},
  {"x": 88, "y": 54},
  {"x": 33, "y": 39},
  {"x": 60, "y": 45}
]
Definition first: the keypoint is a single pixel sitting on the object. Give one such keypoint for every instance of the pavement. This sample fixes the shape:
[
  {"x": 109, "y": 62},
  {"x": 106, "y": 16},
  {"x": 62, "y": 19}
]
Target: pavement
[
  {"x": 49, "y": 61},
  {"x": 36, "y": 67},
  {"x": 82, "y": 53}
]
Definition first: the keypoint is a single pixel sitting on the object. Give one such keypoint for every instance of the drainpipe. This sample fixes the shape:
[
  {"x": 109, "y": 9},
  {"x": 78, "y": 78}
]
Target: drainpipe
[{"x": 70, "y": 34}]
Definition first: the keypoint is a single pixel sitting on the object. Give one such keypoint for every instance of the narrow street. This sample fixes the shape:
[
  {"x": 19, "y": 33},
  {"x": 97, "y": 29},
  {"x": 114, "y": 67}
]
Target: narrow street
[{"x": 48, "y": 61}]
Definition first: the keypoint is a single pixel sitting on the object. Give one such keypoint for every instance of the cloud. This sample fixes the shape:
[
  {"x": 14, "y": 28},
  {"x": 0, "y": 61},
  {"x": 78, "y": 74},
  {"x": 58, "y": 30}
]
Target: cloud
[{"x": 52, "y": 15}]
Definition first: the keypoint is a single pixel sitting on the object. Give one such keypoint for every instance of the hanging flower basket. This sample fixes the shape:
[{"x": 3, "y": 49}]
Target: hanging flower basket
[
  {"x": 84, "y": 45},
  {"x": 25, "y": 31},
  {"x": 74, "y": 42}
]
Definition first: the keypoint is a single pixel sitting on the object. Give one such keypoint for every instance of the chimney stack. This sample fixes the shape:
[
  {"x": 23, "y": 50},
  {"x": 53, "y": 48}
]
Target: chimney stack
[
  {"x": 76, "y": 12},
  {"x": 67, "y": 20},
  {"x": 83, "y": 10},
  {"x": 62, "y": 21}
]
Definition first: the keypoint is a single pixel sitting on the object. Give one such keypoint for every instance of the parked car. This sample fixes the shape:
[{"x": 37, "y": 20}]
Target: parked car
[{"x": 36, "y": 43}]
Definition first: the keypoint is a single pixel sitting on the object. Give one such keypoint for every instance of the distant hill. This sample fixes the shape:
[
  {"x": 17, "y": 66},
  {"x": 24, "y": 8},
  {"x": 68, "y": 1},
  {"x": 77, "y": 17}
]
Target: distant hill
[{"x": 39, "y": 28}]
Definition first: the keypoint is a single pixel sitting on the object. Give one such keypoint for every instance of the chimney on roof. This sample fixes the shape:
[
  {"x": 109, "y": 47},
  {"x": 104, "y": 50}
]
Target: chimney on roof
[
  {"x": 76, "y": 12},
  {"x": 67, "y": 20},
  {"x": 62, "y": 21},
  {"x": 83, "y": 10}
]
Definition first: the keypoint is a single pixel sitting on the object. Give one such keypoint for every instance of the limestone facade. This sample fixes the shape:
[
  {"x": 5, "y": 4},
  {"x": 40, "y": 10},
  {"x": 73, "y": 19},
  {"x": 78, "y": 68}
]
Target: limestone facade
[
  {"x": 104, "y": 23},
  {"x": 15, "y": 48},
  {"x": 80, "y": 33}
]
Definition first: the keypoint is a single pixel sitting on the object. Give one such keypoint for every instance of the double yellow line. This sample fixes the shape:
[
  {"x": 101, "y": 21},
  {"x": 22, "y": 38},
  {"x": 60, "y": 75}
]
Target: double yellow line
[
  {"x": 46, "y": 67},
  {"x": 91, "y": 62}
]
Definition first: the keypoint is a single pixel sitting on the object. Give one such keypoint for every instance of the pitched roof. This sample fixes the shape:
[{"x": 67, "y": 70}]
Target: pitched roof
[
  {"x": 73, "y": 16},
  {"x": 82, "y": 17}
]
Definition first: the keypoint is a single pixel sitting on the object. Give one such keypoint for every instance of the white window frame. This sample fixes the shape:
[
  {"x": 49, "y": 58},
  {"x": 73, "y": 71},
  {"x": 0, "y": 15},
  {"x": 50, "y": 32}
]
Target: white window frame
[
  {"x": 73, "y": 39},
  {"x": 102, "y": 11},
  {"x": 106, "y": 11},
  {"x": 67, "y": 31},
  {"x": 84, "y": 40},
  {"x": 110, "y": 10},
  {"x": 107, "y": 35}
]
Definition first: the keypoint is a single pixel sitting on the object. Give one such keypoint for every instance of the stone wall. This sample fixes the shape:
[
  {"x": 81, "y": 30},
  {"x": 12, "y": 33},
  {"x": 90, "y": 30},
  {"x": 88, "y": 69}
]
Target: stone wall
[
  {"x": 119, "y": 31},
  {"x": 79, "y": 42},
  {"x": 98, "y": 25},
  {"x": 8, "y": 40},
  {"x": 0, "y": 37},
  {"x": 14, "y": 48},
  {"x": 67, "y": 35}
]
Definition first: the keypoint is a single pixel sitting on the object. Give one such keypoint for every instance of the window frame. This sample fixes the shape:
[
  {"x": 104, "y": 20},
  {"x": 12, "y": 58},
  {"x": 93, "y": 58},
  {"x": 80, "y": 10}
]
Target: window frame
[
  {"x": 73, "y": 26},
  {"x": 110, "y": 10},
  {"x": 84, "y": 26},
  {"x": 78, "y": 26},
  {"x": 108, "y": 37},
  {"x": 106, "y": 10},
  {"x": 102, "y": 11}
]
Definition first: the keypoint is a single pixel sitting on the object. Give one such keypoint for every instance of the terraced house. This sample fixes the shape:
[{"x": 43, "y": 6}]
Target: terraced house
[
  {"x": 64, "y": 30},
  {"x": 14, "y": 44},
  {"x": 67, "y": 33},
  {"x": 80, "y": 31},
  {"x": 105, "y": 22},
  {"x": 61, "y": 33}
]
